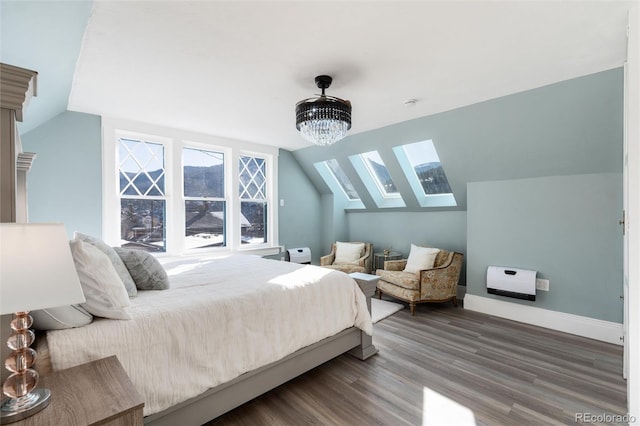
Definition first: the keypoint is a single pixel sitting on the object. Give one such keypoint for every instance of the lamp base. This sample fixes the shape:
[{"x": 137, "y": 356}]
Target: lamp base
[{"x": 15, "y": 409}]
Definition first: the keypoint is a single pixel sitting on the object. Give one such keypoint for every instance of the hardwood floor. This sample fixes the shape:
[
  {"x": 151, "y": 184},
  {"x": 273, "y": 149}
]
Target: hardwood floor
[{"x": 454, "y": 367}]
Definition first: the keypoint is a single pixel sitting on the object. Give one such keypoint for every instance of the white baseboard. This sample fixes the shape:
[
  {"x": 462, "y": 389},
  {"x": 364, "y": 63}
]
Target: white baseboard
[{"x": 605, "y": 331}]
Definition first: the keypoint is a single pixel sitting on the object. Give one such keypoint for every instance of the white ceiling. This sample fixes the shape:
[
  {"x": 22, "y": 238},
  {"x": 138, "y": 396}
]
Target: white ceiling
[{"x": 236, "y": 69}]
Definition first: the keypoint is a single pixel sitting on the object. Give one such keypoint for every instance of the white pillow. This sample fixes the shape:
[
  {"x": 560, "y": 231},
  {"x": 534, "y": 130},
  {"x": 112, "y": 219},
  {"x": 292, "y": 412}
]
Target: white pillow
[
  {"x": 420, "y": 258},
  {"x": 348, "y": 253},
  {"x": 119, "y": 266},
  {"x": 102, "y": 287},
  {"x": 60, "y": 318}
]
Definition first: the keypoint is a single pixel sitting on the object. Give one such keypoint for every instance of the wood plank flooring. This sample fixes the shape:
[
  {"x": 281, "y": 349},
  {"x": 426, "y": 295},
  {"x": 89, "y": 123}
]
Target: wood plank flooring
[{"x": 450, "y": 366}]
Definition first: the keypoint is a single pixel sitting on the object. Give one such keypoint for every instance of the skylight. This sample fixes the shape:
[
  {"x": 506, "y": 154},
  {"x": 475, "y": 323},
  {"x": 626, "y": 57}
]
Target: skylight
[
  {"x": 421, "y": 165},
  {"x": 342, "y": 179},
  {"x": 379, "y": 172},
  {"x": 377, "y": 179},
  {"x": 339, "y": 183}
]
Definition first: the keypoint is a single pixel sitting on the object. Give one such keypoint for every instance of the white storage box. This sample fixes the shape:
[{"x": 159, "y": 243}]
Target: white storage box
[
  {"x": 300, "y": 255},
  {"x": 511, "y": 282}
]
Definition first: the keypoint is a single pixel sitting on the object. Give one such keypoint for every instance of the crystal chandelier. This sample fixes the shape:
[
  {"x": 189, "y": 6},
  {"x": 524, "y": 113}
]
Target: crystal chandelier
[{"x": 323, "y": 120}]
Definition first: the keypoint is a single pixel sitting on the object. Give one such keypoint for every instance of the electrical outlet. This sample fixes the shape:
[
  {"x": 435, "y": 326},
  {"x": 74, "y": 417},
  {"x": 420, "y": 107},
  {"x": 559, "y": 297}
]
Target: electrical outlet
[{"x": 542, "y": 284}]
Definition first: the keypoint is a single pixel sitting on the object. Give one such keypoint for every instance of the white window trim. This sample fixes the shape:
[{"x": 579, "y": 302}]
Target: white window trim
[{"x": 174, "y": 140}]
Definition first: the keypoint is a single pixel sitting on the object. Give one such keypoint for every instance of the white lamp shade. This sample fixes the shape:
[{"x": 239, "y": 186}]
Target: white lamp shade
[{"x": 36, "y": 268}]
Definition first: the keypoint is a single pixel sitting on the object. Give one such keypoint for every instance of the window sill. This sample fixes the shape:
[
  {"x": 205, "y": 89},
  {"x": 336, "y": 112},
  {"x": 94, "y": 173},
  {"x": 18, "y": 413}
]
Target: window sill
[
  {"x": 258, "y": 251},
  {"x": 262, "y": 251}
]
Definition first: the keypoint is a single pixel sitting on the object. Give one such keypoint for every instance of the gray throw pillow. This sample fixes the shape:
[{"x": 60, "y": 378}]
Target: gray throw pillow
[
  {"x": 121, "y": 269},
  {"x": 146, "y": 271}
]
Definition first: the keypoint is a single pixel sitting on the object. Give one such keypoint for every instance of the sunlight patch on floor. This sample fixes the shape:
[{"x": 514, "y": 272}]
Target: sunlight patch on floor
[{"x": 439, "y": 410}]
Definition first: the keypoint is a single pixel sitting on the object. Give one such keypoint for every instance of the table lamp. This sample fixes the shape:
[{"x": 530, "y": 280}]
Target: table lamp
[{"x": 36, "y": 272}]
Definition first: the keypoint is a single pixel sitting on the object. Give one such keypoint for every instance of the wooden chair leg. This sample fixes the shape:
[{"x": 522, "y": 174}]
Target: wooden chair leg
[
  {"x": 412, "y": 306},
  {"x": 378, "y": 293},
  {"x": 455, "y": 301}
]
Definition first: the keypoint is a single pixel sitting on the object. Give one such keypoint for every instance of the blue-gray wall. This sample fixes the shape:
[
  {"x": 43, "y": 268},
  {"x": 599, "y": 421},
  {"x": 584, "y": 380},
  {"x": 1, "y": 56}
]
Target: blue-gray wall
[
  {"x": 301, "y": 214},
  {"x": 65, "y": 181},
  {"x": 564, "y": 227},
  {"x": 396, "y": 231},
  {"x": 44, "y": 36},
  {"x": 447, "y": 230}
]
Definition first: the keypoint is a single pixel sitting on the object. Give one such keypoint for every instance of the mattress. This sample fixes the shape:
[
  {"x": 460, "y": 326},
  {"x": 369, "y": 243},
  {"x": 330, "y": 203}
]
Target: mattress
[{"x": 220, "y": 318}]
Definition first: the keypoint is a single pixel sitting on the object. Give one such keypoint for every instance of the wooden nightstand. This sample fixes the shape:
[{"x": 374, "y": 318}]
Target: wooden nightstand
[{"x": 95, "y": 393}]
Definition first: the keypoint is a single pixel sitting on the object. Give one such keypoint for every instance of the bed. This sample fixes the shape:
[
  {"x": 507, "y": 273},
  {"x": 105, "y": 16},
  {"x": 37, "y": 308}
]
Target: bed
[{"x": 227, "y": 330}]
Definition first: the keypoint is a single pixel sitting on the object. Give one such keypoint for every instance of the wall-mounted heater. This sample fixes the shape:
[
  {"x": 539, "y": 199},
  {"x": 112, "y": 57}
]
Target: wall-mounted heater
[{"x": 511, "y": 282}]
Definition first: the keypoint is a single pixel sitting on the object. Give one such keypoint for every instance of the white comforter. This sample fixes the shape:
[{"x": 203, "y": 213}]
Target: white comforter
[{"x": 220, "y": 319}]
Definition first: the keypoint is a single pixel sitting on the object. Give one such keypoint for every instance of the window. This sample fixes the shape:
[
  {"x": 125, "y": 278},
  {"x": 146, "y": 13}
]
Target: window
[
  {"x": 421, "y": 165},
  {"x": 342, "y": 179},
  {"x": 204, "y": 200},
  {"x": 253, "y": 200},
  {"x": 174, "y": 192},
  {"x": 339, "y": 183},
  {"x": 379, "y": 171},
  {"x": 376, "y": 177},
  {"x": 142, "y": 194}
]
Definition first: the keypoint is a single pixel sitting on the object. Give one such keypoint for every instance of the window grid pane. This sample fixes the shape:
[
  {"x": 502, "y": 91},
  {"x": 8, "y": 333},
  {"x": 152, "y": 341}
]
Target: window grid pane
[
  {"x": 253, "y": 180},
  {"x": 141, "y": 168},
  {"x": 205, "y": 224},
  {"x": 203, "y": 173},
  {"x": 142, "y": 224},
  {"x": 253, "y": 222}
]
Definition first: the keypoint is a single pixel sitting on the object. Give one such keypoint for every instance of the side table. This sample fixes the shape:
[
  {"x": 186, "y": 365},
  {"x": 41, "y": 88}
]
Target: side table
[
  {"x": 367, "y": 284},
  {"x": 380, "y": 258},
  {"x": 95, "y": 393}
]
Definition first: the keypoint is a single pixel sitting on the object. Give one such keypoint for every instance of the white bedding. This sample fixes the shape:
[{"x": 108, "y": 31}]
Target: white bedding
[{"x": 220, "y": 319}]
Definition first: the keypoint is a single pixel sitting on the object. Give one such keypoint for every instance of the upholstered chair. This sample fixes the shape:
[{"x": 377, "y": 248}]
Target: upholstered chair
[
  {"x": 436, "y": 284},
  {"x": 349, "y": 257}
]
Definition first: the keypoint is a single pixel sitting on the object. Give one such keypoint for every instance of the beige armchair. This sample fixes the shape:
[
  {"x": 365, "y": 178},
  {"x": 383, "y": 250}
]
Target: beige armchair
[
  {"x": 439, "y": 284},
  {"x": 359, "y": 262}
]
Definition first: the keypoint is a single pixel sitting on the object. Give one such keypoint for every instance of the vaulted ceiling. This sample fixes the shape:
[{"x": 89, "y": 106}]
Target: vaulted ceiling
[{"x": 236, "y": 69}]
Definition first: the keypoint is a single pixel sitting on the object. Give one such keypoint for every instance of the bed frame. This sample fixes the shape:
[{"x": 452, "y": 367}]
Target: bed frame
[{"x": 227, "y": 396}]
